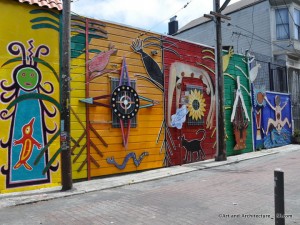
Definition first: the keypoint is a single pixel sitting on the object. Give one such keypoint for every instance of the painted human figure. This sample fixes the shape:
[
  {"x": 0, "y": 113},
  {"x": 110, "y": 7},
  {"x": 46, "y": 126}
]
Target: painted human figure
[
  {"x": 278, "y": 123},
  {"x": 28, "y": 128}
]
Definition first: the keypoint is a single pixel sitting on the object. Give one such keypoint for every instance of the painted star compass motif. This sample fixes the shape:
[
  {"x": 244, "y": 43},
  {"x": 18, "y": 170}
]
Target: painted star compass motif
[{"x": 124, "y": 102}]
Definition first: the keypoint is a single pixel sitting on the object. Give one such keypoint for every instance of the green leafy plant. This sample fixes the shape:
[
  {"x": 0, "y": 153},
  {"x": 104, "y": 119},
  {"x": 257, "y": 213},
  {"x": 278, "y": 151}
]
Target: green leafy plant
[
  {"x": 296, "y": 133},
  {"x": 296, "y": 136}
]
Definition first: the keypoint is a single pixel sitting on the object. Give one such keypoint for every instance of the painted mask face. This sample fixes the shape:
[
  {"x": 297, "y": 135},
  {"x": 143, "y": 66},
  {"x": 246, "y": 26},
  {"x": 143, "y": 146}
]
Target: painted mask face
[{"x": 27, "y": 78}]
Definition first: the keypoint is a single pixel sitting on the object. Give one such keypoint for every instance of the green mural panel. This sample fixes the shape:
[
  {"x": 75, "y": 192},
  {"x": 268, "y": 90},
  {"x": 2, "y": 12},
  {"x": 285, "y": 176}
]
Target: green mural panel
[{"x": 237, "y": 67}]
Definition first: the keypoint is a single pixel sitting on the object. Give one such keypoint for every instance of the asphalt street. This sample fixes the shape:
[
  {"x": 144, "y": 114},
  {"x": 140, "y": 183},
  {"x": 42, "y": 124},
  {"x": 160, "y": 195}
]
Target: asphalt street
[{"x": 238, "y": 193}]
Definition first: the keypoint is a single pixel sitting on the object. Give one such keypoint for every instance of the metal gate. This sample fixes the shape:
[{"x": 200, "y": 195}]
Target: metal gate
[{"x": 294, "y": 89}]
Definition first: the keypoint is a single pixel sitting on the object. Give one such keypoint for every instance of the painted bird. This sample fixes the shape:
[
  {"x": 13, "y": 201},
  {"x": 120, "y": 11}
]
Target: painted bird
[
  {"x": 28, "y": 143},
  {"x": 254, "y": 71},
  {"x": 98, "y": 64},
  {"x": 152, "y": 68}
]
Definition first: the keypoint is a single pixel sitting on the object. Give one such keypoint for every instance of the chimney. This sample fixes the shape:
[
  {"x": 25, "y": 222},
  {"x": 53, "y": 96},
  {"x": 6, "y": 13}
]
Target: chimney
[{"x": 173, "y": 25}]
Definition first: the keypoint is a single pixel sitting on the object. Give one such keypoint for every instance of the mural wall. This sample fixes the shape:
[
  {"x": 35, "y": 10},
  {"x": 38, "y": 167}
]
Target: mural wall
[
  {"x": 272, "y": 119},
  {"x": 117, "y": 101},
  {"x": 237, "y": 94},
  {"x": 190, "y": 102},
  {"x": 29, "y": 95},
  {"x": 139, "y": 100}
]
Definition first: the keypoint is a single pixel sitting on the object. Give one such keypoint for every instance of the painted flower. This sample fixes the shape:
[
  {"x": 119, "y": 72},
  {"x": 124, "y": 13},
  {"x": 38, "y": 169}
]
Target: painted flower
[{"x": 196, "y": 105}]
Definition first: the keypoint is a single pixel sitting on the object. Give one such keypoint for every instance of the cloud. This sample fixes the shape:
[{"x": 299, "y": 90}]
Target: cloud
[{"x": 151, "y": 15}]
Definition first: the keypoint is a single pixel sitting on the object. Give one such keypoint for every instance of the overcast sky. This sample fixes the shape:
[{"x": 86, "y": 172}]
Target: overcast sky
[{"x": 150, "y": 15}]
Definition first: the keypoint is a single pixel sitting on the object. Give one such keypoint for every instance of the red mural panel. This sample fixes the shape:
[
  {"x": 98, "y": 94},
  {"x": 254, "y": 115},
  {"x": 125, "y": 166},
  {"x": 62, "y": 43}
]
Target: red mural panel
[{"x": 190, "y": 102}]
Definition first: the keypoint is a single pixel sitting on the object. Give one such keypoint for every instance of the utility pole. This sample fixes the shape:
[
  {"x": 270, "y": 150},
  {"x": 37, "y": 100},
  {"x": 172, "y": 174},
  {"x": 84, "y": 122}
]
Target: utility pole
[
  {"x": 217, "y": 16},
  {"x": 66, "y": 168}
]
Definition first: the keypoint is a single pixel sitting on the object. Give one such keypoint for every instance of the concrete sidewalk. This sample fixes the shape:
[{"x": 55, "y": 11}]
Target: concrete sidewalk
[{"x": 19, "y": 198}]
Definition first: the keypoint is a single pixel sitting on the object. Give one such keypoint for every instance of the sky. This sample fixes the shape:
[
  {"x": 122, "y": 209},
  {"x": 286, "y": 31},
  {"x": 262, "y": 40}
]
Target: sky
[{"x": 150, "y": 15}]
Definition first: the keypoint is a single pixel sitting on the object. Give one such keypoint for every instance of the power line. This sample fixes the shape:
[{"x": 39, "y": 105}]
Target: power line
[
  {"x": 174, "y": 14},
  {"x": 157, "y": 24},
  {"x": 261, "y": 39}
]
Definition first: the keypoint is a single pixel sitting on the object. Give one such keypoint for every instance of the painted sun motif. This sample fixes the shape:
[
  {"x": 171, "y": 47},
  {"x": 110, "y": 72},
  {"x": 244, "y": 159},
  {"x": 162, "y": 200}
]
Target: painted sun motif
[{"x": 196, "y": 105}]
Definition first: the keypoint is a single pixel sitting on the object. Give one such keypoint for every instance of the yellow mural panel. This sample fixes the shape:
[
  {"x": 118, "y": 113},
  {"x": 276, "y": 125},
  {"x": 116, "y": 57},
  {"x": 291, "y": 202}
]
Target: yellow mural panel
[
  {"x": 111, "y": 149},
  {"x": 78, "y": 109},
  {"x": 29, "y": 109}
]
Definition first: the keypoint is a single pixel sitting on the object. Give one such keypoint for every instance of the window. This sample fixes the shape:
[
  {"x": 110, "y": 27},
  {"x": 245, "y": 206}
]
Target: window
[
  {"x": 115, "y": 120},
  {"x": 297, "y": 24},
  {"x": 282, "y": 24},
  {"x": 278, "y": 78},
  {"x": 198, "y": 105}
]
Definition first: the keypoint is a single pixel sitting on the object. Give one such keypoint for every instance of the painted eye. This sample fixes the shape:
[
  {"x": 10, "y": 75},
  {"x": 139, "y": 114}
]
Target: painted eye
[
  {"x": 32, "y": 74},
  {"x": 23, "y": 74}
]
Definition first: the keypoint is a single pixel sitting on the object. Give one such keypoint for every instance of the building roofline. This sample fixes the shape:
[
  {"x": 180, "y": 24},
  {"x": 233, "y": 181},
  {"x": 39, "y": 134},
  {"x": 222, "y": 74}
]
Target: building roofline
[
  {"x": 45, "y": 3},
  {"x": 143, "y": 31}
]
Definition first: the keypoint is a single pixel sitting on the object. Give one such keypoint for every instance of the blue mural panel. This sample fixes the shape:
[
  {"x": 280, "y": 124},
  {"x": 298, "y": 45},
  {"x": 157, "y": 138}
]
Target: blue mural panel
[
  {"x": 276, "y": 120},
  {"x": 272, "y": 118}
]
